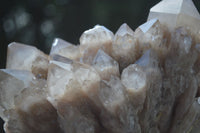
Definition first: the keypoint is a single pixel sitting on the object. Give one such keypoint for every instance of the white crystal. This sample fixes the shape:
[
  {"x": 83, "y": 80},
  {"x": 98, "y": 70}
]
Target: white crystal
[
  {"x": 176, "y": 13},
  {"x": 12, "y": 82},
  {"x": 97, "y": 35},
  {"x": 105, "y": 65},
  {"x": 146, "y": 26},
  {"x": 152, "y": 35},
  {"x": 24, "y": 57},
  {"x": 87, "y": 77},
  {"x": 65, "y": 49},
  {"x": 124, "y": 48},
  {"x": 94, "y": 39},
  {"x": 183, "y": 40},
  {"x": 124, "y": 30},
  {"x": 111, "y": 94},
  {"x": 66, "y": 78},
  {"x": 134, "y": 79},
  {"x": 59, "y": 76}
]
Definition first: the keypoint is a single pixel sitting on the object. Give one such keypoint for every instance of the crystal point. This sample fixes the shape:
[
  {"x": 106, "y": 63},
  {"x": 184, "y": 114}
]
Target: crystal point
[
  {"x": 135, "y": 80},
  {"x": 177, "y": 13},
  {"x": 152, "y": 35},
  {"x": 146, "y": 26},
  {"x": 97, "y": 35},
  {"x": 12, "y": 82},
  {"x": 94, "y": 39},
  {"x": 24, "y": 57},
  {"x": 105, "y": 65},
  {"x": 65, "y": 49},
  {"x": 124, "y": 48},
  {"x": 124, "y": 29},
  {"x": 112, "y": 94}
]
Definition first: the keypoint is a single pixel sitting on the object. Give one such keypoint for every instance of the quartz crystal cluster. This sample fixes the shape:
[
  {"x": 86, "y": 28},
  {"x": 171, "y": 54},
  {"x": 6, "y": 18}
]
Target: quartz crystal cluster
[{"x": 141, "y": 81}]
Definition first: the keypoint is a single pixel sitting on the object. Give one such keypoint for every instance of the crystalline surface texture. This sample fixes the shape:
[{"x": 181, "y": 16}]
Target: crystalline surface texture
[{"x": 142, "y": 81}]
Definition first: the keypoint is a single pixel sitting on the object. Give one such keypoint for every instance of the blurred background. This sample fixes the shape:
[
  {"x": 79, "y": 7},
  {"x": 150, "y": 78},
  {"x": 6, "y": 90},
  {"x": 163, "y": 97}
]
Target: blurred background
[{"x": 38, "y": 22}]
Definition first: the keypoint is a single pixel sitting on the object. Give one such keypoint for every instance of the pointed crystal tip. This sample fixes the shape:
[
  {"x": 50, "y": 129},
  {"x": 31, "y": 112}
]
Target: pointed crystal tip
[
  {"x": 179, "y": 13},
  {"x": 146, "y": 26},
  {"x": 105, "y": 65},
  {"x": 96, "y": 35},
  {"x": 123, "y": 30}
]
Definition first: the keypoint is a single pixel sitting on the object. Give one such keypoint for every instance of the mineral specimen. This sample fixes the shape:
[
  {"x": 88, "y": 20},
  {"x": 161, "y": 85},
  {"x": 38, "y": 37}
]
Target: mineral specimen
[
  {"x": 142, "y": 81},
  {"x": 177, "y": 13}
]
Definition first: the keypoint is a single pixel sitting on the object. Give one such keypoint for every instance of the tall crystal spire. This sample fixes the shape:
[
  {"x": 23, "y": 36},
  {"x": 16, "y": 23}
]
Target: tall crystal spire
[{"x": 177, "y": 13}]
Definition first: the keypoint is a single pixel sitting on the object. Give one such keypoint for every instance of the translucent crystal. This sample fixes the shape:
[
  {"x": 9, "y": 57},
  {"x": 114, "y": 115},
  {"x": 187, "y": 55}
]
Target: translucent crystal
[
  {"x": 148, "y": 59},
  {"x": 147, "y": 26},
  {"x": 105, "y": 65},
  {"x": 71, "y": 95},
  {"x": 155, "y": 88},
  {"x": 65, "y": 49},
  {"x": 24, "y": 57},
  {"x": 150, "y": 109},
  {"x": 76, "y": 115},
  {"x": 134, "y": 79},
  {"x": 87, "y": 77},
  {"x": 32, "y": 112},
  {"x": 118, "y": 115},
  {"x": 183, "y": 40},
  {"x": 12, "y": 82},
  {"x": 112, "y": 94},
  {"x": 151, "y": 35},
  {"x": 94, "y": 39},
  {"x": 59, "y": 76},
  {"x": 124, "y": 48},
  {"x": 66, "y": 78},
  {"x": 177, "y": 13},
  {"x": 99, "y": 35}
]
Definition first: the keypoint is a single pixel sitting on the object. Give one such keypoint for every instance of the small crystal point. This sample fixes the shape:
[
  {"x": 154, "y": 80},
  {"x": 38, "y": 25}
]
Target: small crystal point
[
  {"x": 152, "y": 35},
  {"x": 177, "y": 13},
  {"x": 124, "y": 48},
  {"x": 59, "y": 44},
  {"x": 124, "y": 30},
  {"x": 59, "y": 76},
  {"x": 105, "y": 65},
  {"x": 135, "y": 80},
  {"x": 87, "y": 77},
  {"x": 96, "y": 36},
  {"x": 65, "y": 49},
  {"x": 146, "y": 26},
  {"x": 94, "y": 39},
  {"x": 24, "y": 57}
]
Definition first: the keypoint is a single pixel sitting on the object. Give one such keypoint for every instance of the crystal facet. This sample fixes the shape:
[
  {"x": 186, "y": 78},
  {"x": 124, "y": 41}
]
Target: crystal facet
[
  {"x": 124, "y": 48},
  {"x": 105, "y": 65},
  {"x": 147, "y": 81},
  {"x": 94, "y": 39},
  {"x": 24, "y": 57},
  {"x": 177, "y": 13},
  {"x": 65, "y": 49}
]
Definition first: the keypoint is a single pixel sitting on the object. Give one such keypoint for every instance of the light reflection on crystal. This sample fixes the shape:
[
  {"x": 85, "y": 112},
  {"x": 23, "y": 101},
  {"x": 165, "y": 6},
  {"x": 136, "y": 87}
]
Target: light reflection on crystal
[{"x": 147, "y": 81}]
